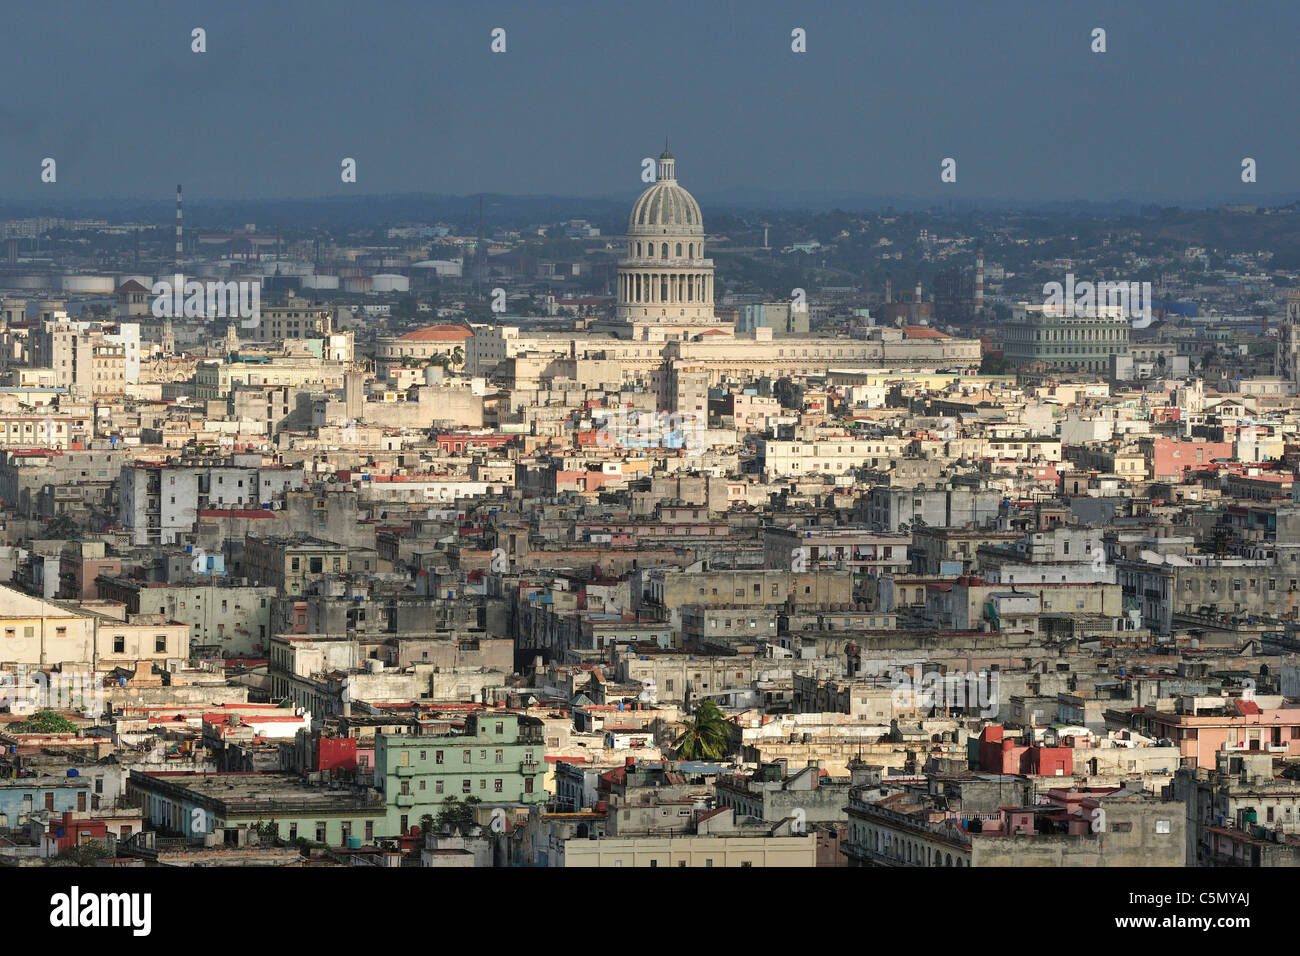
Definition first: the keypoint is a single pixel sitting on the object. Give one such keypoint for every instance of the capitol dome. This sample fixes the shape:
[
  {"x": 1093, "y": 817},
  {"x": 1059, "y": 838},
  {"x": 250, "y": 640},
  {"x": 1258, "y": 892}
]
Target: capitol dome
[
  {"x": 665, "y": 208},
  {"x": 665, "y": 285}
]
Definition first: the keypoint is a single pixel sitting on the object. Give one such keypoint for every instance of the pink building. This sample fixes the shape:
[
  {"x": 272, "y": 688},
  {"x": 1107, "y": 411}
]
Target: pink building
[
  {"x": 1170, "y": 458},
  {"x": 1241, "y": 725}
]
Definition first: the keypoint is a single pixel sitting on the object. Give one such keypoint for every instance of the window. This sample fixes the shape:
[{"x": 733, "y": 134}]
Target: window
[
  {"x": 528, "y": 785},
  {"x": 437, "y": 756},
  {"x": 160, "y": 643},
  {"x": 500, "y": 755},
  {"x": 466, "y": 756},
  {"x": 119, "y": 644},
  {"x": 437, "y": 786},
  {"x": 320, "y": 830},
  {"x": 496, "y": 785},
  {"x": 465, "y": 786}
]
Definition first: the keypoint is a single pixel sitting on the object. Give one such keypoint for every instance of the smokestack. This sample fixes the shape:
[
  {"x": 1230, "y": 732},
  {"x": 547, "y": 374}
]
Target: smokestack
[
  {"x": 889, "y": 289},
  {"x": 979, "y": 280},
  {"x": 918, "y": 289},
  {"x": 178, "y": 227}
]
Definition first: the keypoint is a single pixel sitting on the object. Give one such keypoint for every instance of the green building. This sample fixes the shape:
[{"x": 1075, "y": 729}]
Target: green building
[
  {"x": 498, "y": 758},
  {"x": 1066, "y": 342}
]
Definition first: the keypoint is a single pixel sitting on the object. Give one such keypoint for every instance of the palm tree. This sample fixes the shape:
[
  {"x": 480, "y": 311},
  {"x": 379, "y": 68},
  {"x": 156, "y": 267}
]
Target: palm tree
[{"x": 705, "y": 737}]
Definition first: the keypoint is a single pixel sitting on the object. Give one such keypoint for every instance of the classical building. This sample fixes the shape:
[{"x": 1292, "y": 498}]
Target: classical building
[
  {"x": 1068, "y": 342},
  {"x": 664, "y": 321},
  {"x": 665, "y": 285}
]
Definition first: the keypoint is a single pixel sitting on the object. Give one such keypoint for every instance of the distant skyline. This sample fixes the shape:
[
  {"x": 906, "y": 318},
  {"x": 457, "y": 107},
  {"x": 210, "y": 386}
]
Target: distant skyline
[{"x": 585, "y": 90}]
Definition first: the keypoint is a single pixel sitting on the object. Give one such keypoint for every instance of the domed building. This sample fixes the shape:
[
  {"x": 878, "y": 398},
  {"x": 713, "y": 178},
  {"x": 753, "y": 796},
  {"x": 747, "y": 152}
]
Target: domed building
[
  {"x": 665, "y": 285},
  {"x": 424, "y": 345}
]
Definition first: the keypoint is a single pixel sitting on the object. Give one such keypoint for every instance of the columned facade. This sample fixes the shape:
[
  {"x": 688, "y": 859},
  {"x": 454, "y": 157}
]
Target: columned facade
[{"x": 665, "y": 285}]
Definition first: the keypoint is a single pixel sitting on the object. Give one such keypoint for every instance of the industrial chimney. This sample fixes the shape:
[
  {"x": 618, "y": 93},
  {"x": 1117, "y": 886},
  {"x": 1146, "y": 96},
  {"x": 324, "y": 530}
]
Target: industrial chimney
[{"x": 178, "y": 228}]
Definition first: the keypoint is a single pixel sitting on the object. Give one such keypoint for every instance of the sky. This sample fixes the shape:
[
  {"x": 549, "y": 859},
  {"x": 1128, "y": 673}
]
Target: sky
[{"x": 886, "y": 90}]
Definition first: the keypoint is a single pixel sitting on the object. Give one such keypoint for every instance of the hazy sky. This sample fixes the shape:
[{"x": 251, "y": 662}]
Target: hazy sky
[{"x": 885, "y": 91}]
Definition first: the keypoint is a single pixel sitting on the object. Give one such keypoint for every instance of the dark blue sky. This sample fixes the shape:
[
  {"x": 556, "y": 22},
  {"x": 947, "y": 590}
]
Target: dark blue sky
[{"x": 885, "y": 92}]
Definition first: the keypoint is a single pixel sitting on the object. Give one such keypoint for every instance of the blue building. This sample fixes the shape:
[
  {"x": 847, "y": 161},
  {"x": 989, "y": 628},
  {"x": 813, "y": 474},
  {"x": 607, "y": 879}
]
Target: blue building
[{"x": 22, "y": 797}]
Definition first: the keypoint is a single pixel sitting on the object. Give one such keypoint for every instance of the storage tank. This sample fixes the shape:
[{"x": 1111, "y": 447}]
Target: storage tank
[
  {"x": 88, "y": 284},
  {"x": 32, "y": 282},
  {"x": 320, "y": 282},
  {"x": 388, "y": 282}
]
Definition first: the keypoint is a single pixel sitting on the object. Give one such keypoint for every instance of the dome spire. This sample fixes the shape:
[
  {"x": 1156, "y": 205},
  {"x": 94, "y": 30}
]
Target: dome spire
[{"x": 666, "y": 169}]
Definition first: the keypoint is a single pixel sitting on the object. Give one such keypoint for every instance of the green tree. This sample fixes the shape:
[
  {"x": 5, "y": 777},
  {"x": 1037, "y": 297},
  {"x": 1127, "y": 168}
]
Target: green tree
[
  {"x": 457, "y": 815},
  {"x": 268, "y": 832},
  {"x": 45, "y": 722},
  {"x": 63, "y": 528},
  {"x": 85, "y": 854},
  {"x": 705, "y": 737},
  {"x": 992, "y": 364}
]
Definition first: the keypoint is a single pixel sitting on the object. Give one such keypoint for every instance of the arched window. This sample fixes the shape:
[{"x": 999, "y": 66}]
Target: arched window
[
  {"x": 663, "y": 251},
  {"x": 638, "y": 250},
  {"x": 650, "y": 250},
  {"x": 679, "y": 250},
  {"x": 690, "y": 250}
]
